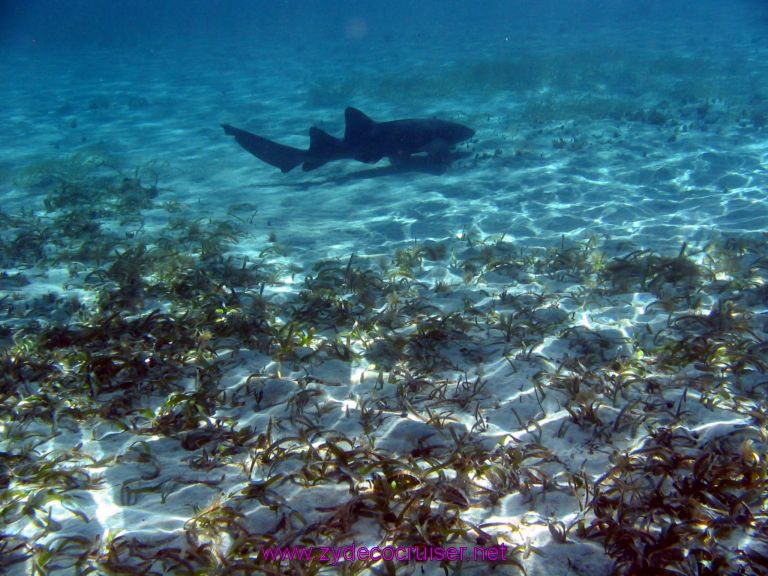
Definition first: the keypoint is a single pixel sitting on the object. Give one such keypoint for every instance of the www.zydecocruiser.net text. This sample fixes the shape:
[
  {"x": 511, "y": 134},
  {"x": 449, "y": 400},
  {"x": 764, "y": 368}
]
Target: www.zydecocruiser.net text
[{"x": 335, "y": 554}]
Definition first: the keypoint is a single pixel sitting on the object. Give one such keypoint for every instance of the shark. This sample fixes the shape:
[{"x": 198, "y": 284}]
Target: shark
[{"x": 365, "y": 140}]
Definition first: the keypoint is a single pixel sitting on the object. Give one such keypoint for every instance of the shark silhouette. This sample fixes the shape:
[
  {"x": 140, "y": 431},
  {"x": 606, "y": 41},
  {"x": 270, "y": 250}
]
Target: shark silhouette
[{"x": 364, "y": 140}]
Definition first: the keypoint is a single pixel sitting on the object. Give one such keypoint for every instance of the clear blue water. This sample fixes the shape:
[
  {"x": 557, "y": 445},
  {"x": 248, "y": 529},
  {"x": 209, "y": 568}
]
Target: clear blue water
[{"x": 610, "y": 82}]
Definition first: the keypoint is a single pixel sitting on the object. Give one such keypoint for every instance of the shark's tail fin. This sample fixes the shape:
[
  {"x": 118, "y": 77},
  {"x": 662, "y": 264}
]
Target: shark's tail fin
[
  {"x": 322, "y": 148},
  {"x": 284, "y": 157}
]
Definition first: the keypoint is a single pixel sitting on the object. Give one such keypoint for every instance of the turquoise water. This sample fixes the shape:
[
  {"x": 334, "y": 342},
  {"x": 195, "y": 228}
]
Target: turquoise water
[{"x": 554, "y": 340}]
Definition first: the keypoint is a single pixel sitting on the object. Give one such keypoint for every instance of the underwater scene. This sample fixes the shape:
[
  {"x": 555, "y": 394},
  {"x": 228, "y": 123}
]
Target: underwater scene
[{"x": 398, "y": 287}]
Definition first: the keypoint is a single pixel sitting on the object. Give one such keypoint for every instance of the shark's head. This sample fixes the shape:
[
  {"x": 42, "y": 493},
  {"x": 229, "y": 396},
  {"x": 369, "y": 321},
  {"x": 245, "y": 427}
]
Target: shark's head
[
  {"x": 456, "y": 133},
  {"x": 465, "y": 133}
]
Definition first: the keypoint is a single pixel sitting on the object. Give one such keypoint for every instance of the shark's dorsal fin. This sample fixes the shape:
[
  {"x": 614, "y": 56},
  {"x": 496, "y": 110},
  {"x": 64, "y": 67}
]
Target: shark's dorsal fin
[
  {"x": 320, "y": 142},
  {"x": 322, "y": 148},
  {"x": 356, "y": 124}
]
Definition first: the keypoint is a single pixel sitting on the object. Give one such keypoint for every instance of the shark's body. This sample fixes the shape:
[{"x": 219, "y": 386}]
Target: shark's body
[{"x": 364, "y": 140}]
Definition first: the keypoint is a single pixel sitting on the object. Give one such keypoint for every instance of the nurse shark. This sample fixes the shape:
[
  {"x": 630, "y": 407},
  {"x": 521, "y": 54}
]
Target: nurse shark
[{"x": 364, "y": 140}]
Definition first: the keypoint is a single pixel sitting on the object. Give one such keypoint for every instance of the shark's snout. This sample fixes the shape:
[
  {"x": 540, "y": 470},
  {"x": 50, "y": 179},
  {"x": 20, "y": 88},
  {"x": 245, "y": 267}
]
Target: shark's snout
[{"x": 459, "y": 132}]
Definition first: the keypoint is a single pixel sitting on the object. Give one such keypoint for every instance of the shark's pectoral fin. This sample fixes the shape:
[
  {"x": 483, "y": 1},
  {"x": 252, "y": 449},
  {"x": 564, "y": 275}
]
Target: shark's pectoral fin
[
  {"x": 367, "y": 157},
  {"x": 438, "y": 151},
  {"x": 399, "y": 159},
  {"x": 284, "y": 157}
]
